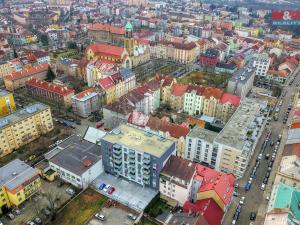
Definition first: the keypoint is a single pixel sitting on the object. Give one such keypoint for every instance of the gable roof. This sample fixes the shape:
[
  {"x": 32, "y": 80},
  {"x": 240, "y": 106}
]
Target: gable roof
[
  {"x": 179, "y": 89},
  {"x": 106, "y": 27},
  {"x": 179, "y": 168},
  {"x": 106, "y": 83},
  {"x": 213, "y": 92},
  {"x": 231, "y": 99},
  {"x": 108, "y": 50},
  {"x": 27, "y": 72}
]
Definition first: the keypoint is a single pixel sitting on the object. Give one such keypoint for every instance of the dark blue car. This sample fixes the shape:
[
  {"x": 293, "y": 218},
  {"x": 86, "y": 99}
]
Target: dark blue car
[{"x": 102, "y": 186}]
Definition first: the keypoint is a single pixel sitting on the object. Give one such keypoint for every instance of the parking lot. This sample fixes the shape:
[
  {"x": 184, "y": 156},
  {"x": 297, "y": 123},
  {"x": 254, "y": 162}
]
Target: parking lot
[
  {"x": 33, "y": 207},
  {"x": 111, "y": 218},
  {"x": 127, "y": 193}
]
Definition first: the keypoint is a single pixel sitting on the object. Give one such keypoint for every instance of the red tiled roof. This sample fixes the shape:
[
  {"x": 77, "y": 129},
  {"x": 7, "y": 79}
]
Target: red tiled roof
[
  {"x": 212, "y": 213},
  {"x": 27, "y": 72},
  {"x": 291, "y": 149},
  {"x": 106, "y": 83},
  {"x": 212, "y": 92},
  {"x": 179, "y": 89},
  {"x": 106, "y": 50},
  {"x": 85, "y": 93},
  {"x": 221, "y": 183},
  {"x": 107, "y": 27},
  {"x": 199, "y": 90},
  {"x": 231, "y": 99},
  {"x": 48, "y": 86},
  {"x": 175, "y": 130},
  {"x": 281, "y": 73}
]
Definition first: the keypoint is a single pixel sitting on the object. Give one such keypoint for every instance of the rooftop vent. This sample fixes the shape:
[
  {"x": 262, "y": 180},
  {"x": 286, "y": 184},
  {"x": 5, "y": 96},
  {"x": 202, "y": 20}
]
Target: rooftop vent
[{"x": 87, "y": 162}]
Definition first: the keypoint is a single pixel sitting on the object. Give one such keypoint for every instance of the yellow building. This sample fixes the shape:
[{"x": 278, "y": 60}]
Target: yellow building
[
  {"x": 108, "y": 86},
  {"x": 5, "y": 69},
  {"x": 18, "y": 182},
  {"x": 7, "y": 103},
  {"x": 24, "y": 126}
]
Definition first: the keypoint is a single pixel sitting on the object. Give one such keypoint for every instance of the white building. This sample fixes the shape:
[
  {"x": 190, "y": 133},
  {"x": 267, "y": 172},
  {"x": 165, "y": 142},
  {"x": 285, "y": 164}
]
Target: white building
[
  {"x": 200, "y": 147},
  {"x": 176, "y": 180},
  {"x": 261, "y": 62},
  {"x": 76, "y": 161}
]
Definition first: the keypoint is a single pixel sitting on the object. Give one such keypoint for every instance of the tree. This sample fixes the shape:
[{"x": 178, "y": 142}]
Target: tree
[
  {"x": 50, "y": 75},
  {"x": 72, "y": 45},
  {"x": 44, "y": 39},
  {"x": 15, "y": 54}
]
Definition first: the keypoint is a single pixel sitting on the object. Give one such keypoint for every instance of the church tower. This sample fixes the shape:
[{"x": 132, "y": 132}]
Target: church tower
[{"x": 128, "y": 39}]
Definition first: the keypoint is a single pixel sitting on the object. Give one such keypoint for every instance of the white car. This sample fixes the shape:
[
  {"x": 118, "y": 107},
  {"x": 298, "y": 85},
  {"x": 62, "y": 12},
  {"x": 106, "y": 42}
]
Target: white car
[
  {"x": 70, "y": 191},
  {"x": 1, "y": 222},
  {"x": 260, "y": 156},
  {"x": 263, "y": 186},
  {"x": 242, "y": 201},
  {"x": 107, "y": 187},
  {"x": 233, "y": 222},
  {"x": 100, "y": 216}
]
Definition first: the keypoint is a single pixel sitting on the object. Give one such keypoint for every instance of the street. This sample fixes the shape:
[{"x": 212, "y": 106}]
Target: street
[{"x": 255, "y": 198}]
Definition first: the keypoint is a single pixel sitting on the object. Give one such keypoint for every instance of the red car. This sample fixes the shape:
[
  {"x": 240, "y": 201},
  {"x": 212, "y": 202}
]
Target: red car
[{"x": 111, "y": 190}]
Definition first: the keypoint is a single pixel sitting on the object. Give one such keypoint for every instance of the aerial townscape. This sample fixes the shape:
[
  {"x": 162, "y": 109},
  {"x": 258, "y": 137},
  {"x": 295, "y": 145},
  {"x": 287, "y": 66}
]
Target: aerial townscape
[{"x": 150, "y": 112}]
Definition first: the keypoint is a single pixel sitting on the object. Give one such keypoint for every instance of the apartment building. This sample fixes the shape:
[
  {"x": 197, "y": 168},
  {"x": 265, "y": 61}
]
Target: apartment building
[
  {"x": 17, "y": 79},
  {"x": 5, "y": 69},
  {"x": 241, "y": 81},
  {"x": 7, "y": 103},
  {"x": 24, "y": 126},
  {"x": 107, "y": 85},
  {"x": 49, "y": 91},
  {"x": 84, "y": 161},
  {"x": 87, "y": 102},
  {"x": 200, "y": 147},
  {"x": 261, "y": 62},
  {"x": 18, "y": 182},
  {"x": 136, "y": 155},
  {"x": 176, "y": 180},
  {"x": 211, "y": 98},
  {"x": 288, "y": 171},
  {"x": 238, "y": 139},
  {"x": 177, "y": 96},
  {"x": 193, "y": 100}
]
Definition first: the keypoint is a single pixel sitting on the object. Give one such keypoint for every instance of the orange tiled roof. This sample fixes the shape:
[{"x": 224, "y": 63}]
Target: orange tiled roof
[
  {"x": 179, "y": 89},
  {"x": 106, "y": 27},
  {"x": 27, "y": 72},
  {"x": 106, "y": 50},
  {"x": 213, "y": 92}
]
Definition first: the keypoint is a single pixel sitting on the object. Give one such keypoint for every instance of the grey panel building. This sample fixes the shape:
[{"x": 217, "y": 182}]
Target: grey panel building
[
  {"x": 136, "y": 155},
  {"x": 241, "y": 81}
]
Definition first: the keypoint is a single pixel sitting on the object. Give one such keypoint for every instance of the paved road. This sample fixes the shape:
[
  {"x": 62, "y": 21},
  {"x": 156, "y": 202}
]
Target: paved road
[{"x": 255, "y": 198}]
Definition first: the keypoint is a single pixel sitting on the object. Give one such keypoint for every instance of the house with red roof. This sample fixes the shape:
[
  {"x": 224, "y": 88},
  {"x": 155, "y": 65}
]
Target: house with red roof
[
  {"x": 228, "y": 103},
  {"x": 177, "y": 96},
  {"x": 112, "y": 53},
  {"x": 211, "y": 98},
  {"x": 49, "y": 91},
  {"x": 107, "y": 85},
  {"x": 277, "y": 76},
  {"x": 18, "y": 79},
  {"x": 106, "y": 33},
  {"x": 211, "y": 194}
]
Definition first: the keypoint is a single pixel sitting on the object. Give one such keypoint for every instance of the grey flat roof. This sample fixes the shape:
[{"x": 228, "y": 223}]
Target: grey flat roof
[
  {"x": 198, "y": 132},
  {"x": 15, "y": 173},
  {"x": 234, "y": 134},
  {"x": 73, "y": 151},
  {"x": 138, "y": 139},
  {"x": 22, "y": 114},
  {"x": 3, "y": 92}
]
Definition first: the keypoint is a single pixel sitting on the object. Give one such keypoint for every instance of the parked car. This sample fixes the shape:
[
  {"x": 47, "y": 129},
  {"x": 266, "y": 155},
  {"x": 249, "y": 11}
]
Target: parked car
[
  {"x": 102, "y": 186},
  {"x": 1, "y": 223},
  {"x": 111, "y": 190},
  {"x": 247, "y": 186},
  {"x": 30, "y": 223},
  {"x": 10, "y": 216},
  {"x": 267, "y": 174},
  {"x": 100, "y": 216},
  {"x": 270, "y": 164},
  {"x": 269, "y": 169},
  {"x": 233, "y": 222},
  {"x": 235, "y": 194},
  {"x": 265, "y": 180},
  {"x": 242, "y": 200},
  {"x": 60, "y": 183},
  {"x": 70, "y": 191},
  {"x": 239, "y": 208},
  {"x": 262, "y": 187},
  {"x": 252, "y": 216},
  {"x": 38, "y": 220},
  {"x": 260, "y": 156},
  {"x": 106, "y": 188},
  {"x": 131, "y": 216},
  {"x": 267, "y": 156},
  {"x": 16, "y": 211}
]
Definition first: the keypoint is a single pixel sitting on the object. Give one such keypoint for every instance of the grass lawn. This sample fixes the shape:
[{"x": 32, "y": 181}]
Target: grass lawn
[
  {"x": 158, "y": 208},
  {"x": 204, "y": 78},
  {"x": 147, "y": 222},
  {"x": 82, "y": 208}
]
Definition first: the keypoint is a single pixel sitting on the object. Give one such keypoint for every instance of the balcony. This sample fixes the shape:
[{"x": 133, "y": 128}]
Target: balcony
[
  {"x": 118, "y": 156},
  {"x": 146, "y": 171},
  {"x": 146, "y": 160},
  {"x": 117, "y": 151},
  {"x": 118, "y": 161}
]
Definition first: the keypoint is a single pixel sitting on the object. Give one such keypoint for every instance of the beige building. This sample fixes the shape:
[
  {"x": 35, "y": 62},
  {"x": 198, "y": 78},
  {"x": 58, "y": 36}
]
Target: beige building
[
  {"x": 177, "y": 96},
  {"x": 24, "y": 126},
  {"x": 211, "y": 100},
  {"x": 137, "y": 2},
  {"x": 238, "y": 139},
  {"x": 177, "y": 52},
  {"x": 288, "y": 172},
  {"x": 18, "y": 79},
  {"x": 5, "y": 69}
]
